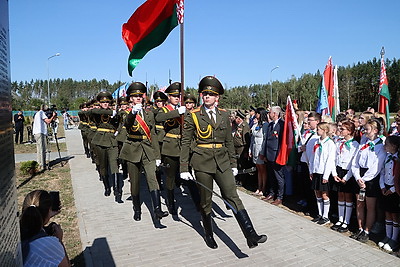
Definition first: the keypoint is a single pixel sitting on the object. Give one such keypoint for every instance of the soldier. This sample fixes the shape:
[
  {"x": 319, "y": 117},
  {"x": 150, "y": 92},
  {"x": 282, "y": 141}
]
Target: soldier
[
  {"x": 160, "y": 99},
  {"x": 107, "y": 146},
  {"x": 213, "y": 159},
  {"x": 121, "y": 132},
  {"x": 84, "y": 126},
  {"x": 190, "y": 102},
  {"x": 141, "y": 150},
  {"x": 92, "y": 130},
  {"x": 241, "y": 142},
  {"x": 170, "y": 115}
]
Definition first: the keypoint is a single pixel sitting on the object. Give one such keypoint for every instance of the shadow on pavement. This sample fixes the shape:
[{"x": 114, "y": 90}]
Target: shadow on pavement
[{"x": 98, "y": 254}]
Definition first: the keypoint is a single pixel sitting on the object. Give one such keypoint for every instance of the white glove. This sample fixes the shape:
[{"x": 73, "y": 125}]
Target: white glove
[
  {"x": 158, "y": 162},
  {"x": 186, "y": 176},
  {"x": 235, "y": 171},
  {"x": 136, "y": 108},
  {"x": 114, "y": 113},
  {"x": 181, "y": 110}
]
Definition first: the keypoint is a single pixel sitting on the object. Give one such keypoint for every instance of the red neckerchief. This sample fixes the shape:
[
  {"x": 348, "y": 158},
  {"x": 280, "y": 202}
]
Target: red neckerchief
[{"x": 144, "y": 125}]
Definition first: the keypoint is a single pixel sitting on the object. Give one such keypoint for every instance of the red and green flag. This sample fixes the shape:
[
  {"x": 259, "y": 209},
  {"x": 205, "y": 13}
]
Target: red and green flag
[
  {"x": 290, "y": 134},
  {"x": 147, "y": 28},
  {"x": 384, "y": 96}
]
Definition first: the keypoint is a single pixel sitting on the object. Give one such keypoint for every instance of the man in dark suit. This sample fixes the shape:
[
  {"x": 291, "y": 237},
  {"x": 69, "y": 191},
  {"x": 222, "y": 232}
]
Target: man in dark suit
[
  {"x": 19, "y": 127},
  {"x": 269, "y": 152}
]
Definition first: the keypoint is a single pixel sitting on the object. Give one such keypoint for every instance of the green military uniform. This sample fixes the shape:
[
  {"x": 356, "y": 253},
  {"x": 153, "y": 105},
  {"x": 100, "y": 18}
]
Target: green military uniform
[
  {"x": 171, "y": 147},
  {"x": 107, "y": 147},
  {"x": 121, "y": 134},
  {"x": 91, "y": 131},
  {"x": 159, "y": 97},
  {"x": 84, "y": 127},
  {"x": 212, "y": 159},
  {"x": 241, "y": 142},
  {"x": 141, "y": 150}
]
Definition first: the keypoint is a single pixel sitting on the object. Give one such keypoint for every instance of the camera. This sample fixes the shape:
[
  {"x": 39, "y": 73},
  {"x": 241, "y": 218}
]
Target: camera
[
  {"x": 49, "y": 229},
  {"x": 49, "y": 112}
]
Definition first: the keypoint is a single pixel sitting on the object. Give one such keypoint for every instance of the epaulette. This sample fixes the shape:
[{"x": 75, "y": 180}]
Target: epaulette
[
  {"x": 165, "y": 109},
  {"x": 221, "y": 109},
  {"x": 195, "y": 110}
]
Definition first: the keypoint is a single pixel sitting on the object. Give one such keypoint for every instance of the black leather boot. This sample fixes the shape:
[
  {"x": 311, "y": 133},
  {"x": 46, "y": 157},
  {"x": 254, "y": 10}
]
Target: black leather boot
[
  {"x": 137, "y": 215},
  {"x": 119, "y": 183},
  {"x": 155, "y": 198},
  {"x": 248, "y": 230},
  {"x": 208, "y": 232},
  {"x": 171, "y": 202},
  {"x": 107, "y": 187}
]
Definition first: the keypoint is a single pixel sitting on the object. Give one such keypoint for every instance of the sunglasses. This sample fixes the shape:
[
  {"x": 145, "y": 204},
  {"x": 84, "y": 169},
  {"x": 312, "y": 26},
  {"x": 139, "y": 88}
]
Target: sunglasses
[{"x": 209, "y": 94}]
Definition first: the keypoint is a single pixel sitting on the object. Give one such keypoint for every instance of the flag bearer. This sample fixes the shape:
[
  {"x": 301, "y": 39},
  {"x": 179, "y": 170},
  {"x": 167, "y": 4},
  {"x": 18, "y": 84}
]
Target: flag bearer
[{"x": 141, "y": 150}]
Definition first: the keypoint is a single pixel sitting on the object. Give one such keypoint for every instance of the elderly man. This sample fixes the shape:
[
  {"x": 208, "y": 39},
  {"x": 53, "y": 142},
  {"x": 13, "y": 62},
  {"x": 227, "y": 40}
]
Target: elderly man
[{"x": 269, "y": 152}]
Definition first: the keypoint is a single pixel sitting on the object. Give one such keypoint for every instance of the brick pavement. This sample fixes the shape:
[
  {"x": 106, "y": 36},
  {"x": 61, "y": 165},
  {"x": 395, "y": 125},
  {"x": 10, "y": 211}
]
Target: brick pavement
[{"x": 110, "y": 237}]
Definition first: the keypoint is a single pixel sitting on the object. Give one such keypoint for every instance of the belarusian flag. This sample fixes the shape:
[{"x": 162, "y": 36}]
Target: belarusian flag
[
  {"x": 328, "y": 83},
  {"x": 290, "y": 135},
  {"x": 147, "y": 28},
  {"x": 384, "y": 95}
]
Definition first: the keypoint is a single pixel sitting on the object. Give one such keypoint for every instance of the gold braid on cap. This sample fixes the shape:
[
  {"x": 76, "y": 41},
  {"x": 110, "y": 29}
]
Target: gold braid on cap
[{"x": 210, "y": 88}]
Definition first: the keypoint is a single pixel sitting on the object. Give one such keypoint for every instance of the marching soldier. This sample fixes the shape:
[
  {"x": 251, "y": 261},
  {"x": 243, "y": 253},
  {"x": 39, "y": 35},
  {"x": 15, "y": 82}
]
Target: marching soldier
[
  {"x": 170, "y": 115},
  {"x": 190, "y": 102},
  {"x": 84, "y": 126},
  {"x": 241, "y": 142},
  {"x": 121, "y": 132},
  {"x": 141, "y": 150},
  {"x": 92, "y": 130},
  {"x": 160, "y": 99},
  {"x": 213, "y": 159},
  {"x": 107, "y": 146}
]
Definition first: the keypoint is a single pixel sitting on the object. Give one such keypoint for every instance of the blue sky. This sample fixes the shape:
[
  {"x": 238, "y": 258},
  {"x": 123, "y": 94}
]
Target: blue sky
[{"x": 238, "y": 41}]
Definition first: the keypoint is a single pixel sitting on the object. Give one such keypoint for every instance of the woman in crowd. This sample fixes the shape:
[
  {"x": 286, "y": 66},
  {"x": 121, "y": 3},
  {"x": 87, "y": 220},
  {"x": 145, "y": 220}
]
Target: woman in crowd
[
  {"x": 40, "y": 247},
  {"x": 257, "y": 136}
]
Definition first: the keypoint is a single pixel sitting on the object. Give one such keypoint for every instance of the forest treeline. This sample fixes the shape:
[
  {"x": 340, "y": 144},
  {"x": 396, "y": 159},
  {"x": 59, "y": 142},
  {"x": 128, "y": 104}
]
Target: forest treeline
[{"x": 358, "y": 89}]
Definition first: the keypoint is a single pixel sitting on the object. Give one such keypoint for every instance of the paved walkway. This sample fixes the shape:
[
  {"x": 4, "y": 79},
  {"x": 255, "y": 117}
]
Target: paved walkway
[{"x": 111, "y": 238}]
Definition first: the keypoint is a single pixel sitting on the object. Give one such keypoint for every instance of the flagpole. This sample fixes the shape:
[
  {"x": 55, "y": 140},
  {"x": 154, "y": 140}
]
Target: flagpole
[{"x": 182, "y": 63}]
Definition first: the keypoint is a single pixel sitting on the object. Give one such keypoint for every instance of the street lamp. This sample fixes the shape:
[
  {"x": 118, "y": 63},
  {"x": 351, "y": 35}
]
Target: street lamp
[
  {"x": 270, "y": 76},
  {"x": 48, "y": 77}
]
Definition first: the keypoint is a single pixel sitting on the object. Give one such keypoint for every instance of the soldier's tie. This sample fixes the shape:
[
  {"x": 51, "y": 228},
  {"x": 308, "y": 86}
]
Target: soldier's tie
[{"x": 212, "y": 117}]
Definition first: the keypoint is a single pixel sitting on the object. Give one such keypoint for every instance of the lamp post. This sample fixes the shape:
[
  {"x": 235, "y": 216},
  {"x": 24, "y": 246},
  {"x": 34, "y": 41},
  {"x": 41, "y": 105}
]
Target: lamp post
[
  {"x": 270, "y": 76},
  {"x": 48, "y": 77}
]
